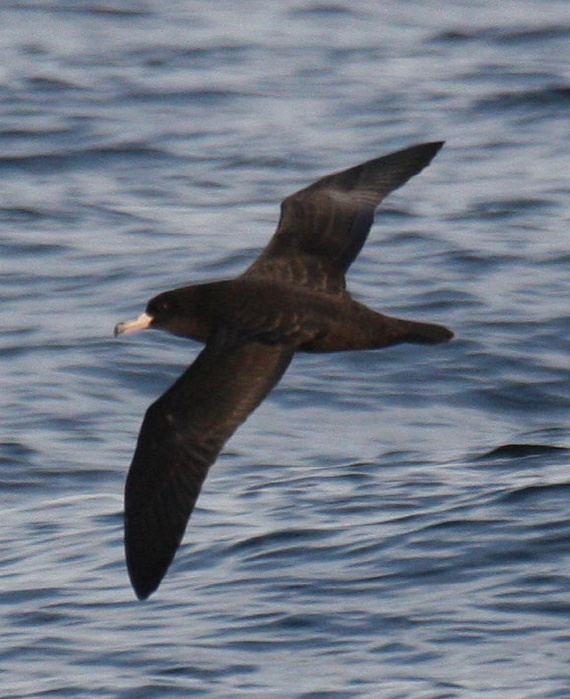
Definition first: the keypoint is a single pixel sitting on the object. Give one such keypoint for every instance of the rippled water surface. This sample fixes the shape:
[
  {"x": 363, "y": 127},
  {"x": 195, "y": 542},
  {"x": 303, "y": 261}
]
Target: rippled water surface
[{"x": 388, "y": 524}]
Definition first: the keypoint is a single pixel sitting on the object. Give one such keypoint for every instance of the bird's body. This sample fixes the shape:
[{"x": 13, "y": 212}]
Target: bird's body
[
  {"x": 292, "y": 298},
  {"x": 275, "y": 312}
]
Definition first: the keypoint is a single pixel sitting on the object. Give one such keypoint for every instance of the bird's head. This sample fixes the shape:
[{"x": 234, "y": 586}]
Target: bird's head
[{"x": 160, "y": 313}]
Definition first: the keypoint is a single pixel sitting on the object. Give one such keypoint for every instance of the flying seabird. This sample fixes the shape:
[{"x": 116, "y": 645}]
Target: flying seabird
[{"x": 293, "y": 298}]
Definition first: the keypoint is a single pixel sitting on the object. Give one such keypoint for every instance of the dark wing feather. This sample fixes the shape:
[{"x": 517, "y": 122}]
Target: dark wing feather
[
  {"x": 323, "y": 227},
  {"x": 181, "y": 436}
]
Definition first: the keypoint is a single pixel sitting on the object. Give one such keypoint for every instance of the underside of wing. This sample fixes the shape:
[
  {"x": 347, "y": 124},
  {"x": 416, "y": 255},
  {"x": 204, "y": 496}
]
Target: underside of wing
[
  {"x": 323, "y": 227},
  {"x": 181, "y": 436}
]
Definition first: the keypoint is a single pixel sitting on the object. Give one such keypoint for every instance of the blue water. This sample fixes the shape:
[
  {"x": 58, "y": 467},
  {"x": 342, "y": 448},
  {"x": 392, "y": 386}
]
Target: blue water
[{"x": 369, "y": 532}]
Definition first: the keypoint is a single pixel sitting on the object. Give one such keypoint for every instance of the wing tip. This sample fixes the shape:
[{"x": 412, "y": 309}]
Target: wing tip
[
  {"x": 146, "y": 560},
  {"x": 143, "y": 581},
  {"x": 427, "y": 151},
  {"x": 436, "y": 146},
  {"x": 143, "y": 593}
]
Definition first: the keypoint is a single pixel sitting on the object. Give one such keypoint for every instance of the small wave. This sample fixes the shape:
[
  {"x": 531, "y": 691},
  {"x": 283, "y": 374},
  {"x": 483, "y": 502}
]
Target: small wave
[
  {"x": 532, "y": 492},
  {"x": 91, "y": 156},
  {"x": 324, "y": 10},
  {"x": 503, "y": 35},
  {"x": 517, "y": 451},
  {"x": 555, "y": 96}
]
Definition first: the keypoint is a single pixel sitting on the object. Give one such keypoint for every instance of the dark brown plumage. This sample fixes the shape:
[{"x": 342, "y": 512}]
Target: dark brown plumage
[{"x": 292, "y": 298}]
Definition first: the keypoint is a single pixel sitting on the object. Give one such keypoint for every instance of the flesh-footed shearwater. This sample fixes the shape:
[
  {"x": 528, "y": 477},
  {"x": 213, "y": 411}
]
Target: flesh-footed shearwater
[{"x": 291, "y": 299}]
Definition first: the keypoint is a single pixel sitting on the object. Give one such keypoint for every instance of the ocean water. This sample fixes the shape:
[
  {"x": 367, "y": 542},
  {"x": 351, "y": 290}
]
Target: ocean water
[{"x": 388, "y": 524}]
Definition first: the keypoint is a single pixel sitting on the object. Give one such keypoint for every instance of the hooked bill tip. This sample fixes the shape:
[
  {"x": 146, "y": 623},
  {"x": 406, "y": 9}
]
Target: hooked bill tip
[{"x": 141, "y": 323}]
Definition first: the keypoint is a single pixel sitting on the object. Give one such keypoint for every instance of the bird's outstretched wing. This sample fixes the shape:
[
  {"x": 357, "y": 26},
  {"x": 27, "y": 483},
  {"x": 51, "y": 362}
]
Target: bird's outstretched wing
[
  {"x": 324, "y": 226},
  {"x": 181, "y": 436}
]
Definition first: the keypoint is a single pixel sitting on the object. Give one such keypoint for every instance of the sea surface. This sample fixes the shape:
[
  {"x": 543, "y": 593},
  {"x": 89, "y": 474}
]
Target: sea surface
[{"x": 391, "y": 524}]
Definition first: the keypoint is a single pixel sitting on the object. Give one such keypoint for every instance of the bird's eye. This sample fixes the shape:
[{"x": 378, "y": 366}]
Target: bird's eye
[{"x": 158, "y": 307}]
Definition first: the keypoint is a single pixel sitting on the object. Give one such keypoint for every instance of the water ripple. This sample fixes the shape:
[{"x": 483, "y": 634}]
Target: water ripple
[{"x": 389, "y": 522}]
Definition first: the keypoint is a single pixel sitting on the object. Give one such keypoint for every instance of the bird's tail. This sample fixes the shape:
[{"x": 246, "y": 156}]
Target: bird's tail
[
  {"x": 424, "y": 333},
  {"x": 362, "y": 328}
]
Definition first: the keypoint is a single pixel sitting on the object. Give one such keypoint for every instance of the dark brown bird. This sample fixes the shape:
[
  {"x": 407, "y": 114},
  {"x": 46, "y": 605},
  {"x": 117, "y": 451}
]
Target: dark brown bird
[{"x": 291, "y": 299}]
